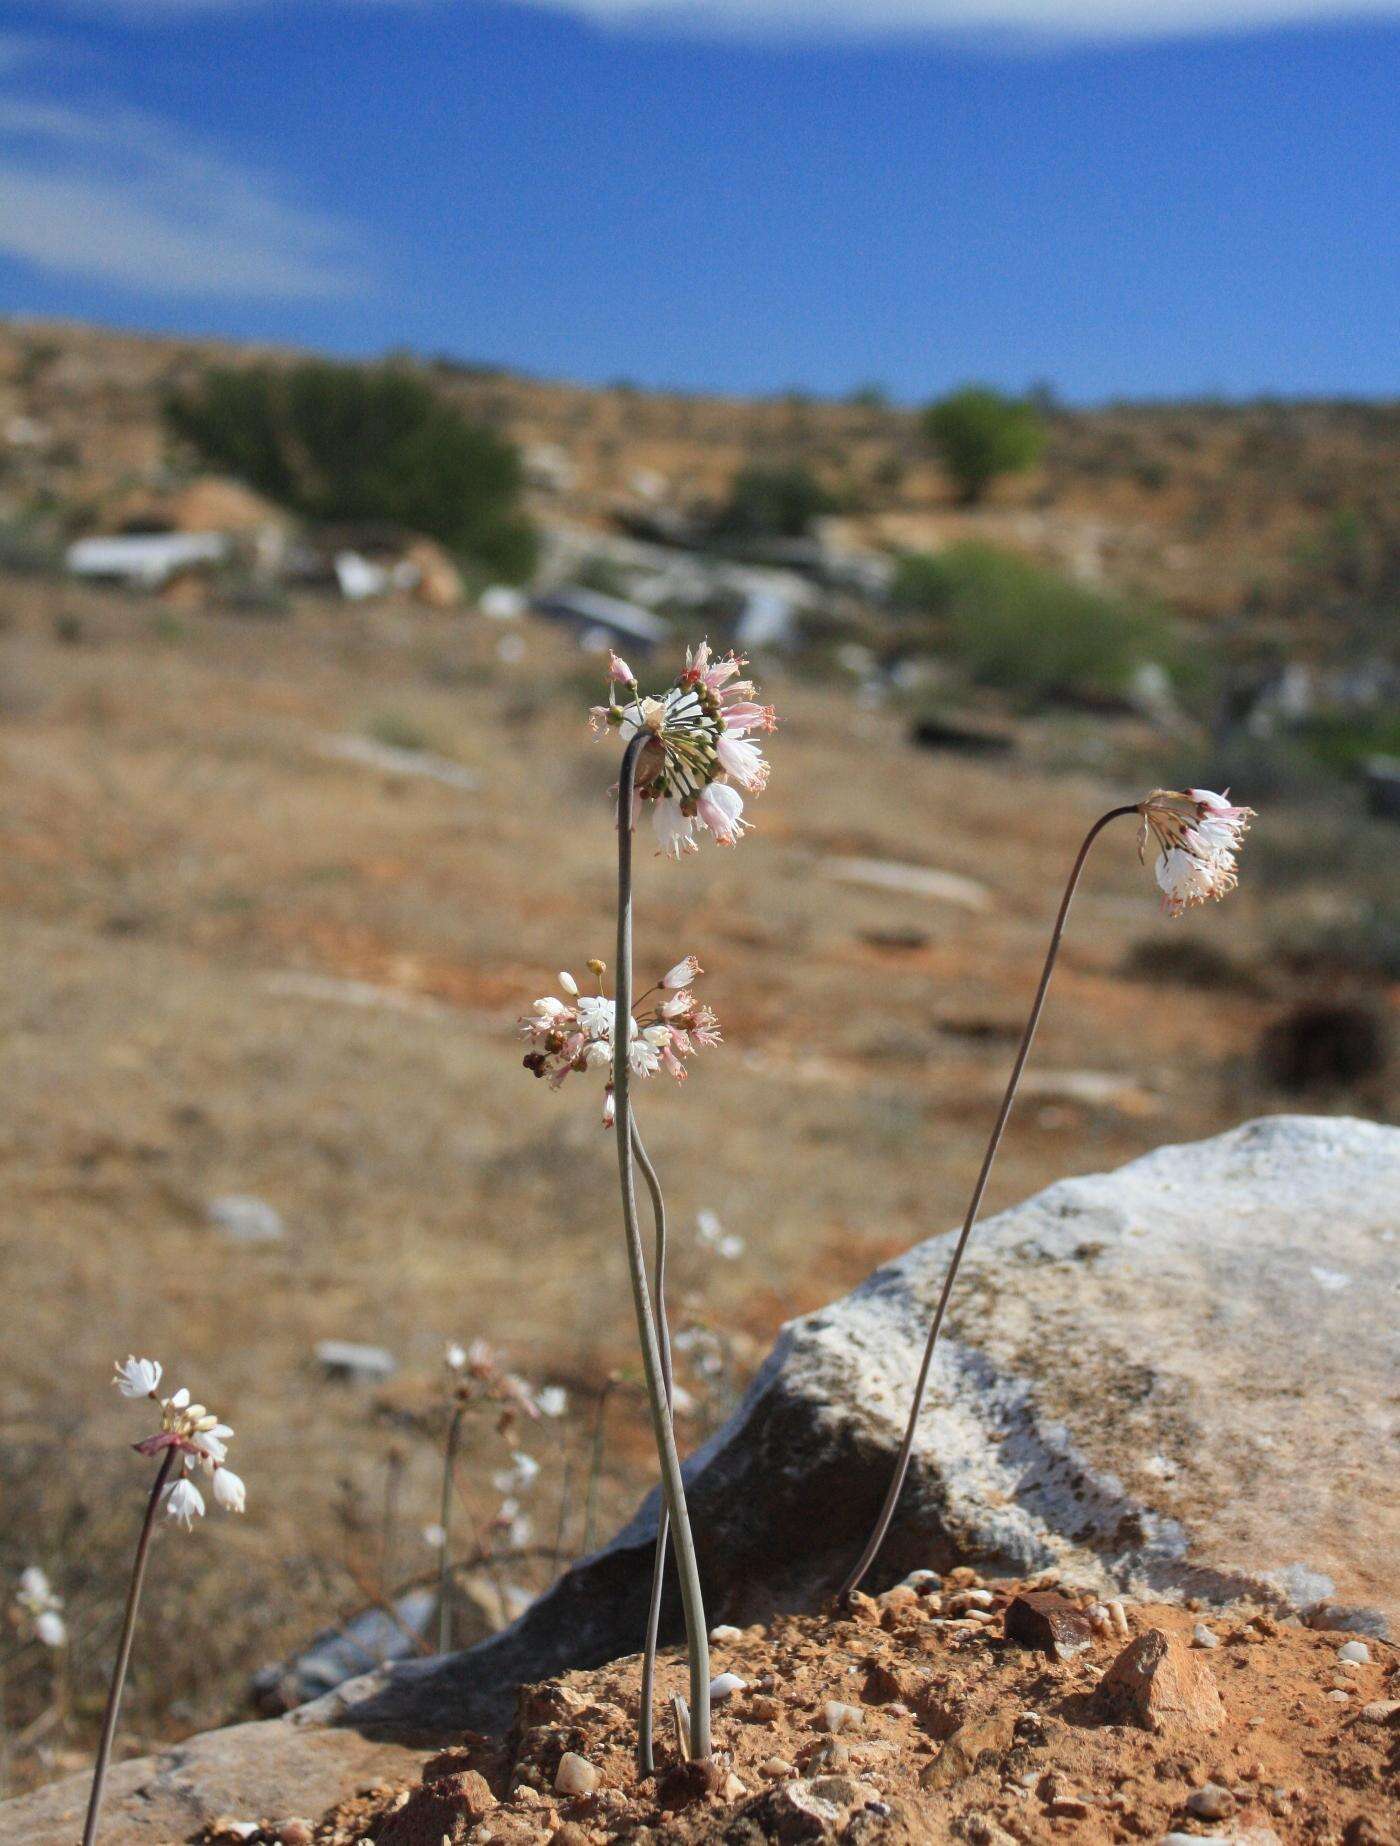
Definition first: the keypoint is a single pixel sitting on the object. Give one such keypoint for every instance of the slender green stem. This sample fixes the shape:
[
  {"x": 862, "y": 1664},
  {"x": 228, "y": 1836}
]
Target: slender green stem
[
  {"x": 645, "y": 1755},
  {"x": 672, "y": 1482},
  {"x": 906, "y": 1450},
  {"x": 114, "y": 1691},
  {"x": 449, "y": 1462}
]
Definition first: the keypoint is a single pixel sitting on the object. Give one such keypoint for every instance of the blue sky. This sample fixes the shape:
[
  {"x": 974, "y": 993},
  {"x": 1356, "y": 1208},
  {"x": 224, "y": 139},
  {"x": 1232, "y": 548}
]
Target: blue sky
[{"x": 1121, "y": 197}]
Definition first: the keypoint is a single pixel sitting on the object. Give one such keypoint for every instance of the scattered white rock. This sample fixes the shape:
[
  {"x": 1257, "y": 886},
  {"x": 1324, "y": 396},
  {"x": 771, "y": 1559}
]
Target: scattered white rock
[
  {"x": 924, "y": 1580},
  {"x": 244, "y": 1219},
  {"x": 1355, "y": 1653},
  {"x": 349, "y": 1359},
  {"x": 725, "y": 1632},
  {"x": 914, "y": 880},
  {"x": 1379, "y": 1711},
  {"x": 393, "y": 759},
  {"x": 1333, "y": 1280},
  {"x": 1201, "y": 1636},
  {"x": 836, "y": 1717},
  {"x": 724, "y": 1685},
  {"x": 1211, "y": 1802},
  {"x": 575, "y": 1775}
]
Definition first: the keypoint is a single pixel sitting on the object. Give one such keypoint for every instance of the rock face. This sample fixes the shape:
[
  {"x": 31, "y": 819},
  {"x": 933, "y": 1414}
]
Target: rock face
[{"x": 1173, "y": 1378}]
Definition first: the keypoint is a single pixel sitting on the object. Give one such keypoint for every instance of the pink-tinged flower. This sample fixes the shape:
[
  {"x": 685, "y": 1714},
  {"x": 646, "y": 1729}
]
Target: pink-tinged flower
[
  {"x": 1198, "y": 834},
  {"x": 576, "y": 1036},
  {"x": 697, "y": 743},
  {"x": 197, "y": 1437},
  {"x": 619, "y": 670}
]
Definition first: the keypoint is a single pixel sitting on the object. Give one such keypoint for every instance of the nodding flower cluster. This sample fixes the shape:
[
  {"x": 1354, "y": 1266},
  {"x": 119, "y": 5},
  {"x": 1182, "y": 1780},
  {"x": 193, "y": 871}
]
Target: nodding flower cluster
[
  {"x": 577, "y": 1034},
  {"x": 698, "y": 746},
  {"x": 197, "y": 1435},
  {"x": 475, "y": 1375},
  {"x": 1198, "y": 833}
]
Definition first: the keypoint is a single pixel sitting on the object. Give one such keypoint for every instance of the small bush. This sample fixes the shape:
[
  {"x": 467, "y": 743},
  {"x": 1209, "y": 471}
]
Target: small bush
[
  {"x": 1023, "y": 629},
  {"x": 346, "y": 442},
  {"x": 980, "y": 434},
  {"x": 769, "y": 502}
]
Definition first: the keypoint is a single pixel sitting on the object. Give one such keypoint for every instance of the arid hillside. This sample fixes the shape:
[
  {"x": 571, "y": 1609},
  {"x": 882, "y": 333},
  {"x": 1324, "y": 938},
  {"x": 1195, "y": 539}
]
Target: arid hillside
[{"x": 1209, "y": 507}]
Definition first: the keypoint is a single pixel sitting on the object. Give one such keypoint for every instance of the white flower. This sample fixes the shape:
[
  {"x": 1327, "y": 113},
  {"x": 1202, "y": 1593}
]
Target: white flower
[
  {"x": 35, "y": 1591},
  {"x": 455, "y": 1357},
  {"x": 518, "y": 1478},
  {"x": 214, "y": 1442},
  {"x": 184, "y": 1502},
  {"x": 683, "y": 973},
  {"x": 434, "y": 1537},
  {"x": 552, "y": 1401},
  {"x": 675, "y": 831},
  {"x": 643, "y": 1058},
  {"x": 50, "y": 1627},
  {"x": 138, "y": 1377},
  {"x": 229, "y": 1491},
  {"x": 568, "y": 983}
]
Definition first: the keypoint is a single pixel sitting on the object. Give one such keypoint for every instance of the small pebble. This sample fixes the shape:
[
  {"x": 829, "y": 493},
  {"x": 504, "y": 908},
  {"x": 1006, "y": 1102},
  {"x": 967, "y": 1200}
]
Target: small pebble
[
  {"x": 296, "y": 1833},
  {"x": 1339, "y": 1698},
  {"x": 922, "y": 1580},
  {"x": 575, "y": 1775},
  {"x": 1201, "y": 1636},
  {"x": 778, "y": 1766},
  {"x": 899, "y": 1597},
  {"x": 726, "y": 1632},
  {"x": 1119, "y": 1617},
  {"x": 1212, "y": 1802},
  {"x": 1355, "y": 1653},
  {"x": 732, "y": 1789},
  {"x": 724, "y": 1685},
  {"x": 838, "y": 1717},
  {"x": 1380, "y": 1711}
]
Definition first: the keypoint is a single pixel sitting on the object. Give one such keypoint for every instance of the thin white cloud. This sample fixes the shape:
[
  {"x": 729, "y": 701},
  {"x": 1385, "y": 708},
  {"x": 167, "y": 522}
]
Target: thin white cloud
[
  {"x": 1016, "y": 22},
  {"x": 111, "y": 195},
  {"x": 1019, "y": 22}
]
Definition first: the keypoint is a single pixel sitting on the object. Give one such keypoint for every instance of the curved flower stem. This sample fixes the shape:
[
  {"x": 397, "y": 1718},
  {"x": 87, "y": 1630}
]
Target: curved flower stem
[
  {"x": 645, "y": 1756},
  {"x": 449, "y": 1463},
  {"x": 672, "y": 1483},
  {"x": 114, "y": 1691},
  {"x": 887, "y": 1511}
]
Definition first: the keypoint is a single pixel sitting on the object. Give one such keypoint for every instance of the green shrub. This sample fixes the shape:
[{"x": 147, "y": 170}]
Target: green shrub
[
  {"x": 980, "y": 433},
  {"x": 1024, "y": 629},
  {"x": 344, "y": 442},
  {"x": 773, "y": 502}
]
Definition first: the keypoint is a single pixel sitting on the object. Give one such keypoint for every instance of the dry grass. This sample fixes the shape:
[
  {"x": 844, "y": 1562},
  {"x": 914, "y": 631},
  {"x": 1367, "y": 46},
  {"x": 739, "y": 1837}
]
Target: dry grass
[{"x": 175, "y": 843}]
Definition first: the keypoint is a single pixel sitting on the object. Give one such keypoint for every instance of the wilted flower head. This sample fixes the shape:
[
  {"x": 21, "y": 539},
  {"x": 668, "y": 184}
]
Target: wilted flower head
[
  {"x": 196, "y": 1435},
  {"x": 1198, "y": 834},
  {"x": 41, "y": 1606},
  {"x": 698, "y": 745},
  {"x": 577, "y": 1034}
]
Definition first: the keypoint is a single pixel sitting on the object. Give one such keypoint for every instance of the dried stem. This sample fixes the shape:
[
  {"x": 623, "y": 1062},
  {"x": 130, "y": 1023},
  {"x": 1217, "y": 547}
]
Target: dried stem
[
  {"x": 449, "y": 1463},
  {"x": 906, "y": 1450},
  {"x": 645, "y": 1755},
  {"x": 114, "y": 1691},
  {"x": 672, "y": 1483}
]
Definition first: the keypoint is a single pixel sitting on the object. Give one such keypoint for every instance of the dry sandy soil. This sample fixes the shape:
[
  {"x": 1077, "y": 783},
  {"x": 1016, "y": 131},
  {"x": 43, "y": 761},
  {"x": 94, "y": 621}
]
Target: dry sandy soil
[
  {"x": 238, "y": 963},
  {"x": 917, "y": 1717}
]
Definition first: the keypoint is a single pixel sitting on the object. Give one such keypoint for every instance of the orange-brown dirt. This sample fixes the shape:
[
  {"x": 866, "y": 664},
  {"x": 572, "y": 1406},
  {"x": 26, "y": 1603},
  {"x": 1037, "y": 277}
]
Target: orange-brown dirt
[{"x": 944, "y": 1728}]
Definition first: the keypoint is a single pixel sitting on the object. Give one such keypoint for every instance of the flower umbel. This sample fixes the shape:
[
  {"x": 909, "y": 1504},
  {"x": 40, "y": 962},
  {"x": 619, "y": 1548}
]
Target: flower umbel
[
  {"x": 1197, "y": 833},
  {"x": 196, "y": 1435},
  {"x": 577, "y": 1034},
  {"x": 698, "y": 747}
]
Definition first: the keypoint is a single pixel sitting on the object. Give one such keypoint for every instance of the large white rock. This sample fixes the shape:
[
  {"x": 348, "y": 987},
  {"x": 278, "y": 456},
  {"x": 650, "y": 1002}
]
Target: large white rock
[{"x": 1175, "y": 1378}]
